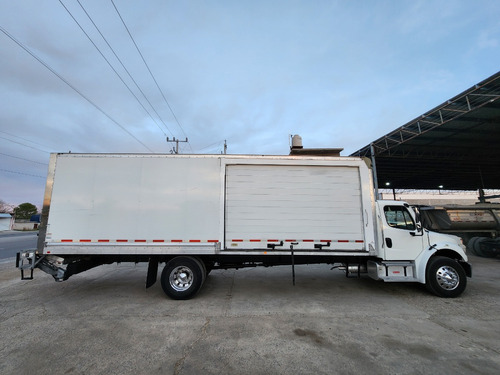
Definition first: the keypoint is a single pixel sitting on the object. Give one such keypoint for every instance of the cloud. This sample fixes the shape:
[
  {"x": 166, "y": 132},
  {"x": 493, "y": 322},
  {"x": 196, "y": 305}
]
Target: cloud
[{"x": 340, "y": 74}]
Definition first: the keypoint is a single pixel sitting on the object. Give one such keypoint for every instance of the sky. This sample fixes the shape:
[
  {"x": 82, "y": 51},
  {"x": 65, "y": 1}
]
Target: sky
[{"x": 123, "y": 75}]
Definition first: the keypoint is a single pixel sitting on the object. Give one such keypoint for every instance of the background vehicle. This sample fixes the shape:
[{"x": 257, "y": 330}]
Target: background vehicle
[{"x": 478, "y": 225}]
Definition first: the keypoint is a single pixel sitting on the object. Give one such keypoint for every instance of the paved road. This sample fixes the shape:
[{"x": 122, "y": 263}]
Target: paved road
[
  {"x": 12, "y": 242},
  {"x": 249, "y": 321}
]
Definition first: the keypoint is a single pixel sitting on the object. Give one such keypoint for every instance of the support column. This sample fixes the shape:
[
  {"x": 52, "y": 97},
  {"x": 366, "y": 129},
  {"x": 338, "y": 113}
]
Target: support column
[{"x": 374, "y": 171}]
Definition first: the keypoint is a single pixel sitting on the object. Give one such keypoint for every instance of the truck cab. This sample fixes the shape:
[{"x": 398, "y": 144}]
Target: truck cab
[{"x": 412, "y": 253}]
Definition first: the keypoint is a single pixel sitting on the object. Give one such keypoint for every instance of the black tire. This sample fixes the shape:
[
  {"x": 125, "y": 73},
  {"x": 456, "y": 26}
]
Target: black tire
[
  {"x": 482, "y": 248},
  {"x": 470, "y": 245},
  {"x": 445, "y": 277},
  {"x": 182, "y": 277},
  {"x": 204, "y": 268},
  {"x": 478, "y": 248}
]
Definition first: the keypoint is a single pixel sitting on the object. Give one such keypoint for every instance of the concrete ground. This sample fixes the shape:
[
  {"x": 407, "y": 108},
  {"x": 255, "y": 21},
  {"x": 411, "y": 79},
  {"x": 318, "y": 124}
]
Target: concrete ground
[{"x": 250, "y": 321}]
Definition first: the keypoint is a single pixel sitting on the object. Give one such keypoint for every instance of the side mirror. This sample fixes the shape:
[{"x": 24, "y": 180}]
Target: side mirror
[{"x": 419, "y": 231}]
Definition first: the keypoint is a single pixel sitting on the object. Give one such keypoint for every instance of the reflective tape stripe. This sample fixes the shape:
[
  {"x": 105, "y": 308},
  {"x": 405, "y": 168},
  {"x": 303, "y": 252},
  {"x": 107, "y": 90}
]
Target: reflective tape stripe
[
  {"x": 207, "y": 241},
  {"x": 143, "y": 240},
  {"x": 293, "y": 240}
]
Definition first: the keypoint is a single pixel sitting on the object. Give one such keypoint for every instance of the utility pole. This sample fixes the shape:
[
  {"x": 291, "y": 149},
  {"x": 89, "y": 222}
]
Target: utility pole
[{"x": 176, "y": 149}]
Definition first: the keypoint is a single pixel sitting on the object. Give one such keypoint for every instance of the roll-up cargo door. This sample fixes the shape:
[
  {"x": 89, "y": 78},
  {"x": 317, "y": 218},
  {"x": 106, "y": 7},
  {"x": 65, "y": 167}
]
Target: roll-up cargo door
[{"x": 267, "y": 204}]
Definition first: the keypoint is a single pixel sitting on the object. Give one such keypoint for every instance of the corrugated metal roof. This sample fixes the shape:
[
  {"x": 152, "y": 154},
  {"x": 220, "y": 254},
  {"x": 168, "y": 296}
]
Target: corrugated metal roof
[{"x": 455, "y": 145}]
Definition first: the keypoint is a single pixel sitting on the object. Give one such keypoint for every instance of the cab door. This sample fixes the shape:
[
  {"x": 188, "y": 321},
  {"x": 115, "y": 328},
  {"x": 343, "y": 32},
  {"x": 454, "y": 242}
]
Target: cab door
[{"x": 401, "y": 240}]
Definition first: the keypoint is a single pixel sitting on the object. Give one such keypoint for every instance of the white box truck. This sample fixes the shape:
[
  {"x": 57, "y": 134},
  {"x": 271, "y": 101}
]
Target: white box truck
[{"x": 196, "y": 213}]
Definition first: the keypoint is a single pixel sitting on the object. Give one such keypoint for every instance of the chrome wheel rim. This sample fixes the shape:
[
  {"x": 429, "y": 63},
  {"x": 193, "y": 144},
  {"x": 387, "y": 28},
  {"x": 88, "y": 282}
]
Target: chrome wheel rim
[
  {"x": 447, "y": 277},
  {"x": 181, "y": 278}
]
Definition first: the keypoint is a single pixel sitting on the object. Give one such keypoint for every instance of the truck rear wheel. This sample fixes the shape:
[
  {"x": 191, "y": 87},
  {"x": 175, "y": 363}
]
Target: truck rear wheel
[
  {"x": 182, "y": 277},
  {"x": 445, "y": 277}
]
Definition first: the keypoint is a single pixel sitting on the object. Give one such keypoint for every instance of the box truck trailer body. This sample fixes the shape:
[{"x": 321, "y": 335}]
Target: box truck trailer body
[{"x": 199, "y": 212}]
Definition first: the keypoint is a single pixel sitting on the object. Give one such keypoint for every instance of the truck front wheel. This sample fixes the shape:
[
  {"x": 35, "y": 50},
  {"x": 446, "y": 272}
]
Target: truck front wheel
[
  {"x": 445, "y": 277},
  {"x": 182, "y": 277}
]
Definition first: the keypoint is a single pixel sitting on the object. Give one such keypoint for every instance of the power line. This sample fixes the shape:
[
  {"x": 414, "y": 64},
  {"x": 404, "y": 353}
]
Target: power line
[
  {"x": 22, "y": 144},
  {"x": 22, "y": 173},
  {"x": 218, "y": 143},
  {"x": 71, "y": 86},
  {"x": 17, "y": 157},
  {"x": 105, "y": 59},
  {"x": 127, "y": 71},
  {"x": 150, "y": 72},
  {"x": 24, "y": 139}
]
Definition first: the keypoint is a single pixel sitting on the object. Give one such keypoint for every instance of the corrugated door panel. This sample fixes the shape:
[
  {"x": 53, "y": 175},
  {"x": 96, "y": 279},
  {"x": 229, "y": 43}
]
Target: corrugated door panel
[{"x": 292, "y": 202}]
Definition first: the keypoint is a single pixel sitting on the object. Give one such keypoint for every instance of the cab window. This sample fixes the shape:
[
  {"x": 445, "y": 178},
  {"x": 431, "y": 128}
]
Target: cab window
[{"x": 399, "y": 217}]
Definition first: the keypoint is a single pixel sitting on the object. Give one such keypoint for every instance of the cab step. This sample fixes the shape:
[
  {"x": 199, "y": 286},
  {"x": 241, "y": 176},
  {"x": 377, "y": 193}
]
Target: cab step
[{"x": 397, "y": 271}]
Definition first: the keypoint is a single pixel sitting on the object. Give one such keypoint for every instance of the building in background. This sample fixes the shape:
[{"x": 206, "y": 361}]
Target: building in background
[{"x": 6, "y": 221}]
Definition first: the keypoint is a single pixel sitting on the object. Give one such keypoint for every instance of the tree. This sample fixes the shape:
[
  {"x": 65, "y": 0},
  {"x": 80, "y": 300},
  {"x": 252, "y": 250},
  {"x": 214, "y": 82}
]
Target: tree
[
  {"x": 5, "y": 208},
  {"x": 25, "y": 210}
]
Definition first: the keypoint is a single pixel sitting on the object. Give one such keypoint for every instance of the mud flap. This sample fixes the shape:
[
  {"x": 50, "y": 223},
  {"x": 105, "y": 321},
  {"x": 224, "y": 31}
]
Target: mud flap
[{"x": 152, "y": 272}]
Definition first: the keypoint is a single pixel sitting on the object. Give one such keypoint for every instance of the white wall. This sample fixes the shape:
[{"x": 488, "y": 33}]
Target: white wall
[
  {"x": 5, "y": 223},
  {"x": 25, "y": 226}
]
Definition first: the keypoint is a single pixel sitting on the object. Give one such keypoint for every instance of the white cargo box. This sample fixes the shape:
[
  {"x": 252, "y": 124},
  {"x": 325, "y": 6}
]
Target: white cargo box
[{"x": 203, "y": 204}]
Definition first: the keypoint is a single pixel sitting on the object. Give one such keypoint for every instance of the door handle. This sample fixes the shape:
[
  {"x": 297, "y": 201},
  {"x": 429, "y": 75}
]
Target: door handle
[{"x": 388, "y": 242}]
